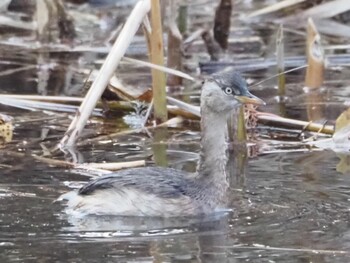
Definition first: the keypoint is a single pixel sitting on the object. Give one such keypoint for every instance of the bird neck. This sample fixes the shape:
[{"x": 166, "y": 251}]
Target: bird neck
[{"x": 213, "y": 159}]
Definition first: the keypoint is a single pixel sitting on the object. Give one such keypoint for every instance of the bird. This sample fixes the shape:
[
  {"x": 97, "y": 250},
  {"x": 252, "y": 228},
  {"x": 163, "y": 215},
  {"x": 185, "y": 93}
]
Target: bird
[{"x": 166, "y": 192}]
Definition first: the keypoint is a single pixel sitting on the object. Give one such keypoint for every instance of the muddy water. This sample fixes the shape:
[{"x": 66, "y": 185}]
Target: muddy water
[{"x": 288, "y": 206}]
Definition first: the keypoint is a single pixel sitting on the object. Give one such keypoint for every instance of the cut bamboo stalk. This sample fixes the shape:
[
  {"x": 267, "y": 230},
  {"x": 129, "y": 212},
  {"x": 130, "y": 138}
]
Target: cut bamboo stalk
[
  {"x": 314, "y": 73},
  {"x": 157, "y": 57},
  {"x": 98, "y": 86},
  {"x": 315, "y": 57}
]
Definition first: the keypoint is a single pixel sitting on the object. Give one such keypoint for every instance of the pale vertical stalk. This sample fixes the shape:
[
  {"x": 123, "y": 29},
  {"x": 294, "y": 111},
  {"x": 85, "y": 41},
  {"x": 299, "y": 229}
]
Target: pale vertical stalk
[
  {"x": 241, "y": 129},
  {"x": 157, "y": 57},
  {"x": 98, "y": 86},
  {"x": 280, "y": 70},
  {"x": 280, "y": 62},
  {"x": 314, "y": 73}
]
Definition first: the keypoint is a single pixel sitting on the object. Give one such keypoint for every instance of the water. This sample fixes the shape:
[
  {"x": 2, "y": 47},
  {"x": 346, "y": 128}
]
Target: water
[
  {"x": 292, "y": 205},
  {"x": 285, "y": 201}
]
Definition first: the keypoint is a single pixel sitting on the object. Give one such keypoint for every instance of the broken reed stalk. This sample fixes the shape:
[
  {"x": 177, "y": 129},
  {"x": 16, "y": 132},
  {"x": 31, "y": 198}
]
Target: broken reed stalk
[
  {"x": 174, "y": 46},
  {"x": 157, "y": 57},
  {"x": 42, "y": 18},
  {"x": 222, "y": 23},
  {"x": 212, "y": 46},
  {"x": 182, "y": 18},
  {"x": 53, "y": 14},
  {"x": 98, "y": 86},
  {"x": 315, "y": 72},
  {"x": 280, "y": 63},
  {"x": 65, "y": 23}
]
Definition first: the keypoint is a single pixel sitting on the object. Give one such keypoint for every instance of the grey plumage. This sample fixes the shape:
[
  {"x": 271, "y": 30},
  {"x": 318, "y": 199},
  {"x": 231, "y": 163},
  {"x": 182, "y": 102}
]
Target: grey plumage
[{"x": 146, "y": 179}]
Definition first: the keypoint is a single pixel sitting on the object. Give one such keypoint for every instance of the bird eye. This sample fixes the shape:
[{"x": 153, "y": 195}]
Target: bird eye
[{"x": 228, "y": 91}]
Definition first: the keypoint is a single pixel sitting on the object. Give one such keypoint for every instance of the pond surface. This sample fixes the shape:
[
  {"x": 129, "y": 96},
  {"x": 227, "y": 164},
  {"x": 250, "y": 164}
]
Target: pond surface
[{"x": 289, "y": 205}]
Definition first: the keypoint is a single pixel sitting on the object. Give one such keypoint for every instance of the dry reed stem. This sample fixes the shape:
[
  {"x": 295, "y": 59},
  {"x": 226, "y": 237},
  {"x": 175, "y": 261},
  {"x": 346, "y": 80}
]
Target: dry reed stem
[
  {"x": 273, "y": 8},
  {"x": 112, "y": 166},
  {"x": 98, "y": 86},
  {"x": 65, "y": 164},
  {"x": 49, "y": 100},
  {"x": 7, "y": 21},
  {"x": 157, "y": 57},
  {"x": 172, "y": 71},
  {"x": 303, "y": 125}
]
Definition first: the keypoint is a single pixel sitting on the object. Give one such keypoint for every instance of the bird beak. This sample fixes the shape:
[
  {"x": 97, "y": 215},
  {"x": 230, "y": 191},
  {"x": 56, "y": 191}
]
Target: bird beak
[{"x": 250, "y": 99}]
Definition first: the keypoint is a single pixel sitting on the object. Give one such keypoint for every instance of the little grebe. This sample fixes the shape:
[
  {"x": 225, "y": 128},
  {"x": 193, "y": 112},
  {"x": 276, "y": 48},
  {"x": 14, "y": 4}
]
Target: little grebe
[{"x": 166, "y": 192}]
